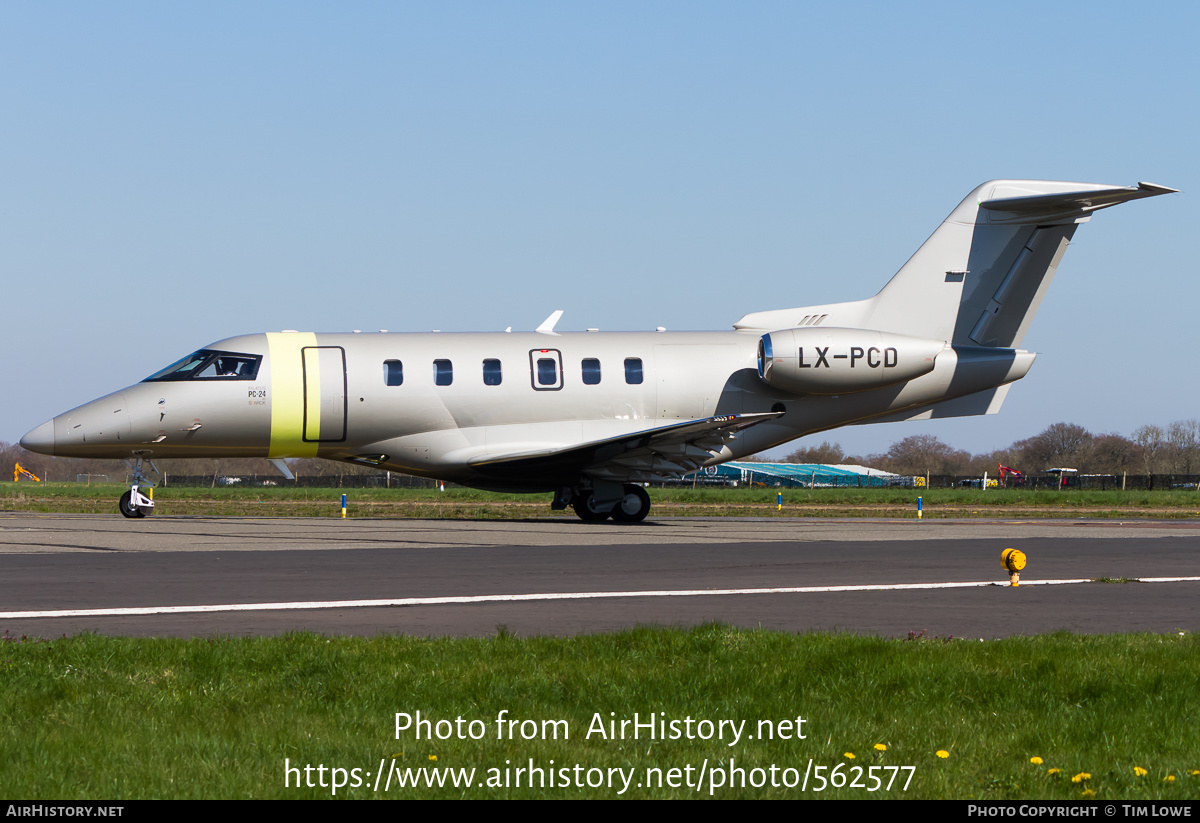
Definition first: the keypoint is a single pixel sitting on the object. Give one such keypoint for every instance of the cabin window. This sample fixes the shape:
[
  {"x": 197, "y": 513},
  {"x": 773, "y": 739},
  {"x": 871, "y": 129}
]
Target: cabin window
[
  {"x": 591, "y": 371},
  {"x": 393, "y": 373},
  {"x": 443, "y": 372},
  {"x": 633, "y": 370},
  {"x": 491, "y": 372},
  {"x": 545, "y": 369}
]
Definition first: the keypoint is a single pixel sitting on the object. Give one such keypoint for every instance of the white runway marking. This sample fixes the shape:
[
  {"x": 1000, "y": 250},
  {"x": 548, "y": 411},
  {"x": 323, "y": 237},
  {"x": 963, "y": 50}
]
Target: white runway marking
[{"x": 509, "y": 598}]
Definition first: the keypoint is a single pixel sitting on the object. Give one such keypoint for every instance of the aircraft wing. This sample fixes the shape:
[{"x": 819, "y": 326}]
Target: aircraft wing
[{"x": 650, "y": 454}]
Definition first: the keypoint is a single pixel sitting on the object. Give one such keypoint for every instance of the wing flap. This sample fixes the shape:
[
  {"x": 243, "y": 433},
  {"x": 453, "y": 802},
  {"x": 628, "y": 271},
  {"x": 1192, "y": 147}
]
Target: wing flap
[{"x": 647, "y": 454}]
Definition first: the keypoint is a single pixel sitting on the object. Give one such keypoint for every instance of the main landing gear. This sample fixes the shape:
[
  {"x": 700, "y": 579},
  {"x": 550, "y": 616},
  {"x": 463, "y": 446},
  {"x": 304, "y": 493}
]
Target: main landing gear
[
  {"x": 624, "y": 504},
  {"x": 133, "y": 503}
]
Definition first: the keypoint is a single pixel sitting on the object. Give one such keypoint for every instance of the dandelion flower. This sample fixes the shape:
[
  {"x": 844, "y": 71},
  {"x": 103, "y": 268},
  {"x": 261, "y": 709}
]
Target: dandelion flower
[
  {"x": 848, "y": 755},
  {"x": 1195, "y": 772},
  {"x": 1139, "y": 771},
  {"x": 1088, "y": 793},
  {"x": 1037, "y": 761},
  {"x": 1082, "y": 776},
  {"x": 433, "y": 757},
  {"x": 1053, "y": 771},
  {"x": 942, "y": 753},
  {"x": 1169, "y": 778},
  {"x": 881, "y": 747}
]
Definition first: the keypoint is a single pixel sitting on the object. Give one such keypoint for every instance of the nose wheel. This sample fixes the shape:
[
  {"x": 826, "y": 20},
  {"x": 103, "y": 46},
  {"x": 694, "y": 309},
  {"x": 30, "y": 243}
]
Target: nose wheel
[{"x": 133, "y": 503}]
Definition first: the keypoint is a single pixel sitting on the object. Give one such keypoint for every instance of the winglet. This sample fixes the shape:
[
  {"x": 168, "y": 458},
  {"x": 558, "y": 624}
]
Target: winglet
[{"x": 549, "y": 323}]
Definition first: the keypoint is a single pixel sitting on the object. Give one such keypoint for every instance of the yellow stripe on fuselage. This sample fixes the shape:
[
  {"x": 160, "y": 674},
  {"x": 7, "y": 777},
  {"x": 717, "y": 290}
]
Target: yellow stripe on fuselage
[{"x": 287, "y": 394}]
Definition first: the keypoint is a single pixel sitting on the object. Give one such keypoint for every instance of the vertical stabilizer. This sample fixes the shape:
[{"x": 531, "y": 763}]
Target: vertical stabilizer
[{"x": 979, "y": 279}]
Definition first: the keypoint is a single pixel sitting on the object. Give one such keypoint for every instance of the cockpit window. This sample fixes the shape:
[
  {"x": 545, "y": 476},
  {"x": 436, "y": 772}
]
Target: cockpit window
[{"x": 208, "y": 364}]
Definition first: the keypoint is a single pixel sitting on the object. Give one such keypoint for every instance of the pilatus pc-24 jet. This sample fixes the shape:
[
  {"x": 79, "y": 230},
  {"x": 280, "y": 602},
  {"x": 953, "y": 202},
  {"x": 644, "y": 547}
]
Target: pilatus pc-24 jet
[{"x": 591, "y": 416}]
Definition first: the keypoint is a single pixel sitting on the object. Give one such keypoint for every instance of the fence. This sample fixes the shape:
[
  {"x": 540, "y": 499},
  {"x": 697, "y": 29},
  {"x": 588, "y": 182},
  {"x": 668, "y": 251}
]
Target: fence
[
  {"x": 378, "y": 480},
  {"x": 1099, "y": 482},
  {"x": 394, "y": 480}
]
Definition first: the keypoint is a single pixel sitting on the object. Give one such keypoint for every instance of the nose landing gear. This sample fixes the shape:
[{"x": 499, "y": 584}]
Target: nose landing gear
[{"x": 133, "y": 503}]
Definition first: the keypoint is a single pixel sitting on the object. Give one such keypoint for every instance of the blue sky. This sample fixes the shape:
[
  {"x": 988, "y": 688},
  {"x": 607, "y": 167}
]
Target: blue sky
[{"x": 172, "y": 174}]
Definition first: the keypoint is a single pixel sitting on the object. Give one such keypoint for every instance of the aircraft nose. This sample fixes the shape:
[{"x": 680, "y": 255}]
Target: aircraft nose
[{"x": 41, "y": 439}]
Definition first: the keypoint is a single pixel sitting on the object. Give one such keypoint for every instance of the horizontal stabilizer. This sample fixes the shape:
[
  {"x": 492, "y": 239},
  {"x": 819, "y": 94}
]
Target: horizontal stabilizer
[{"x": 1064, "y": 205}]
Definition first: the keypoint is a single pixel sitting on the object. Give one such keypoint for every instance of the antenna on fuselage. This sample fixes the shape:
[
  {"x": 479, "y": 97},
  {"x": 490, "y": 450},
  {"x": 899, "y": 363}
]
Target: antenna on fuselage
[{"x": 549, "y": 323}]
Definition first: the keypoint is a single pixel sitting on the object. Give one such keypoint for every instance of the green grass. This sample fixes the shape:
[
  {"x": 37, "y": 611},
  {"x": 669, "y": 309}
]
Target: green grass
[
  {"x": 91, "y": 717},
  {"x": 740, "y": 502}
]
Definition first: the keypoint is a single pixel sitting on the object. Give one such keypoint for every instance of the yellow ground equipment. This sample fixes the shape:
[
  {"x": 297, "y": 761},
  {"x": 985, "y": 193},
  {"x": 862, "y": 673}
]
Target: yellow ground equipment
[{"x": 18, "y": 471}]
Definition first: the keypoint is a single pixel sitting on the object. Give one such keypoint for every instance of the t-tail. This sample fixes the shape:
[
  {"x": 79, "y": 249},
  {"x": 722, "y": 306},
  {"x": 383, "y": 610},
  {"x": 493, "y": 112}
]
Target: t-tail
[{"x": 977, "y": 282}]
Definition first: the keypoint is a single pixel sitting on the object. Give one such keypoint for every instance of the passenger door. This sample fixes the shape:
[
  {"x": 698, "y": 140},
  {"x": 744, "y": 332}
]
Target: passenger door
[{"x": 324, "y": 394}]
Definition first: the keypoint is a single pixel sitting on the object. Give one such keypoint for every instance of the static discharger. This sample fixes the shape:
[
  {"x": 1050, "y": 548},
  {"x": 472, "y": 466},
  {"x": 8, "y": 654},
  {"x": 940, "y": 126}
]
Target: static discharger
[{"x": 1013, "y": 561}]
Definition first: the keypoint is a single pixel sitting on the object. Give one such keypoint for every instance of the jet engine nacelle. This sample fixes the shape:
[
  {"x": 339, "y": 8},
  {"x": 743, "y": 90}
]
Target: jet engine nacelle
[{"x": 842, "y": 361}]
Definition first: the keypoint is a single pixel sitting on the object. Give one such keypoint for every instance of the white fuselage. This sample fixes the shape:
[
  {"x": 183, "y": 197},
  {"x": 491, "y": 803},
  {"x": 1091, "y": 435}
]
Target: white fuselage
[{"x": 378, "y": 399}]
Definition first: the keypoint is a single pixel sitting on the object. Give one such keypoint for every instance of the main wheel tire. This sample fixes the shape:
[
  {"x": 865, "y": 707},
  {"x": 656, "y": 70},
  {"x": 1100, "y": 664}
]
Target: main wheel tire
[
  {"x": 583, "y": 507},
  {"x": 127, "y": 508},
  {"x": 633, "y": 507}
]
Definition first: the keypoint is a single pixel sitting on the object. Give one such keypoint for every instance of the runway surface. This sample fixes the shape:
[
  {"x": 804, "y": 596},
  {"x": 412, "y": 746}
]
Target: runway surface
[{"x": 331, "y": 576}]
